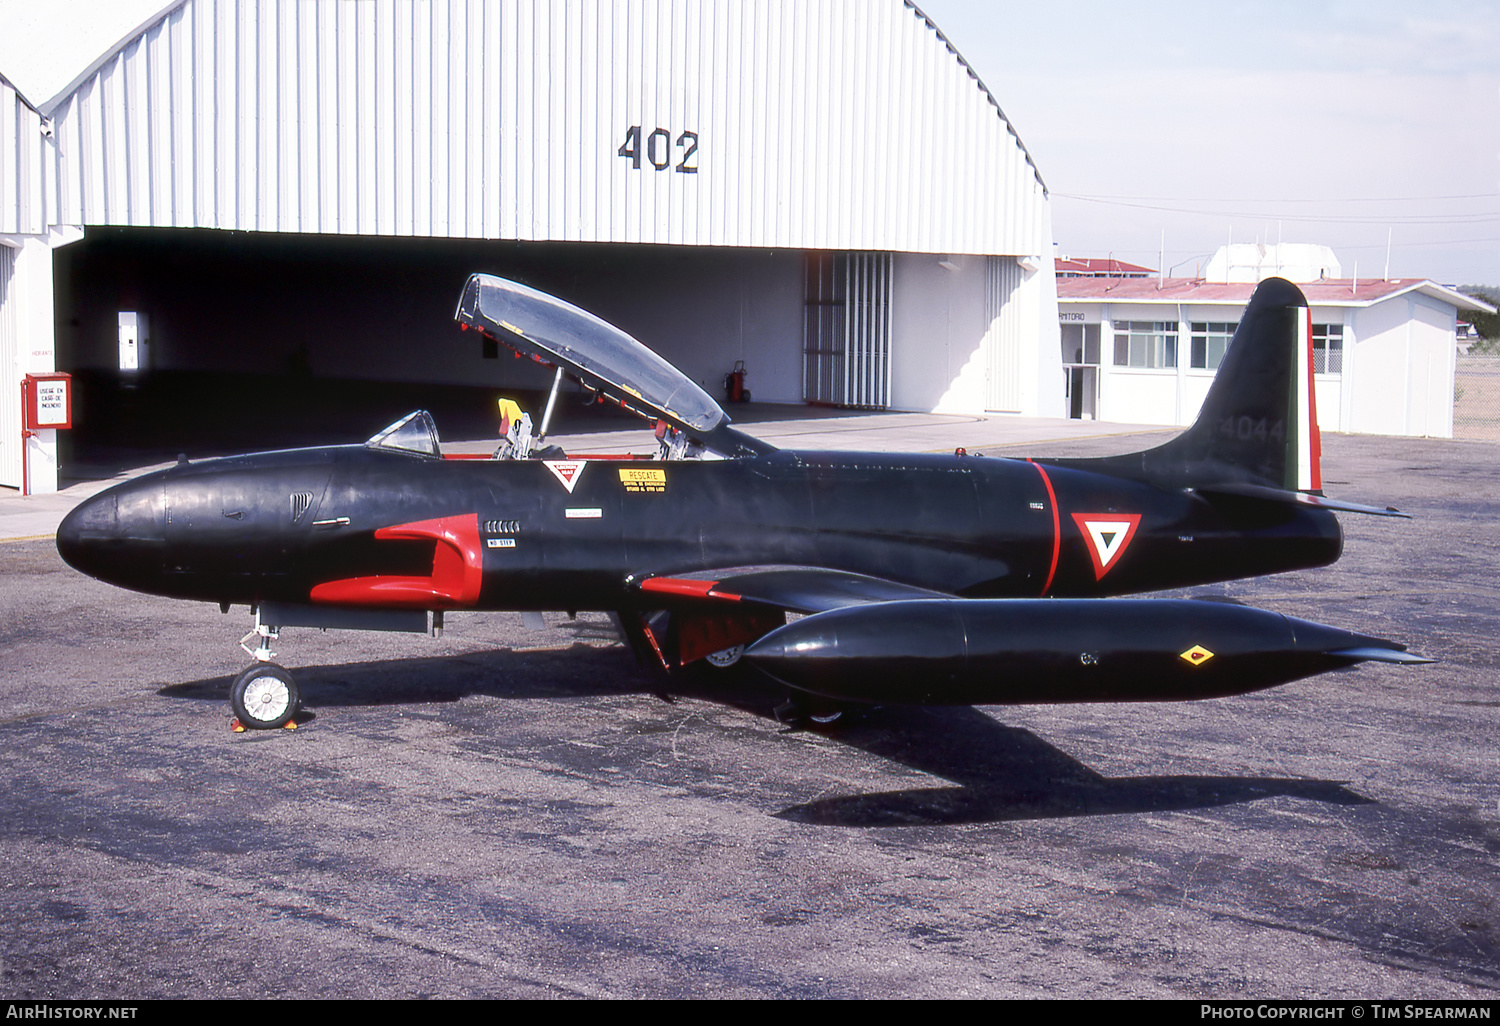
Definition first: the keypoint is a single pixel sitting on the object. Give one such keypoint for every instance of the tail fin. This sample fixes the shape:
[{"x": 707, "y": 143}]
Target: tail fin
[{"x": 1259, "y": 424}]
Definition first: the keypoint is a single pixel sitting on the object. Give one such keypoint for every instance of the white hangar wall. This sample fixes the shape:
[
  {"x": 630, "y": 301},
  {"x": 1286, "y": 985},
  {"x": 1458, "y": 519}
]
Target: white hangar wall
[
  {"x": 802, "y": 124},
  {"x": 23, "y": 208},
  {"x": 970, "y": 322},
  {"x": 26, "y": 339},
  {"x": 943, "y": 300},
  {"x": 710, "y": 128}
]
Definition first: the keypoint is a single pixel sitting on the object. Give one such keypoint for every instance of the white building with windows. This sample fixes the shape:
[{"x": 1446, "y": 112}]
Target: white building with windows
[
  {"x": 823, "y": 189},
  {"x": 1144, "y": 350}
]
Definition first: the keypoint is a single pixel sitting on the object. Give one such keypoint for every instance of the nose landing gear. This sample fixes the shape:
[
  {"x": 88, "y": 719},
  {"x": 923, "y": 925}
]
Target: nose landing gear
[{"x": 265, "y": 695}]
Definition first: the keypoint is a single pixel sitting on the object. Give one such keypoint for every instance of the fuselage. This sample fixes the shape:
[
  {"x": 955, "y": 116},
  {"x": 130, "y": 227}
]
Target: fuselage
[{"x": 364, "y": 526}]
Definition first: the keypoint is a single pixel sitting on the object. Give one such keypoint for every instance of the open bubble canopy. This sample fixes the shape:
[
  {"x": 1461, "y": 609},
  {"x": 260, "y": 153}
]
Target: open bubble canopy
[{"x": 594, "y": 351}]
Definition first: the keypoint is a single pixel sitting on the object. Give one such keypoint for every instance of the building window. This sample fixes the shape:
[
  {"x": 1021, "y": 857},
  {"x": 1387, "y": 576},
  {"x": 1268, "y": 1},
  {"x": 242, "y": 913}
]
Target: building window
[
  {"x": 1328, "y": 348},
  {"x": 1145, "y": 343},
  {"x": 1080, "y": 344},
  {"x": 1210, "y": 340}
]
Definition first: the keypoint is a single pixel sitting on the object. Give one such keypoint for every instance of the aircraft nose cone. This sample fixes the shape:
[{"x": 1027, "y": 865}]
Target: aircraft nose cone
[
  {"x": 117, "y": 535},
  {"x": 92, "y": 521}
]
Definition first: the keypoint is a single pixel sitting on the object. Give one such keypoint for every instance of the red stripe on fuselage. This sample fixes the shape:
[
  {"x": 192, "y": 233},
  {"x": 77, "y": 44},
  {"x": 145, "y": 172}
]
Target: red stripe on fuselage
[{"x": 1056, "y": 525}]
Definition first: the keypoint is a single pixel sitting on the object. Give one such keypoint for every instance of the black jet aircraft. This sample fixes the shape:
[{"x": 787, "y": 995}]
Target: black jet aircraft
[{"x": 849, "y": 577}]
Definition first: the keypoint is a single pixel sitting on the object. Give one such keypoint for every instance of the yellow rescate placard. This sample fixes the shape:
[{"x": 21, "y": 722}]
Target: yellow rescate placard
[{"x": 643, "y": 479}]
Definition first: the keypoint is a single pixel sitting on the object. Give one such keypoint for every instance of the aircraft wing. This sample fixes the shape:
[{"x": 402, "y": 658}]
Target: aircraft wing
[{"x": 866, "y": 639}]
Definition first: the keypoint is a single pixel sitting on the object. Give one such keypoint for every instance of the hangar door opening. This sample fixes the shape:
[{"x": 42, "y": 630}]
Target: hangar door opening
[
  {"x": 1005, "y": 336},
  {"x": 846, "y": 330}
]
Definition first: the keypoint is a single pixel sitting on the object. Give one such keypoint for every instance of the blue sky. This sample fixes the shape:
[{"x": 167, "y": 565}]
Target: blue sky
[{"x": 1337, "y": 123}]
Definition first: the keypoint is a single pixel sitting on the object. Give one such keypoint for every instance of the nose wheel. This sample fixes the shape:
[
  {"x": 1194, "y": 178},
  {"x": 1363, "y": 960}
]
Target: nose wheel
[{"x": 264, "y": 697}]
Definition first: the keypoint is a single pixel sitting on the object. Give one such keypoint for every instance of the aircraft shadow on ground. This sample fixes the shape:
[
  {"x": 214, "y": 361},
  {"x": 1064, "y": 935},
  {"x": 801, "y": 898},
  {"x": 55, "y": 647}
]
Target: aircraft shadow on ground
[
  {"x": 1003, "y": 773},
  {"x": 1008, "y": 773}
]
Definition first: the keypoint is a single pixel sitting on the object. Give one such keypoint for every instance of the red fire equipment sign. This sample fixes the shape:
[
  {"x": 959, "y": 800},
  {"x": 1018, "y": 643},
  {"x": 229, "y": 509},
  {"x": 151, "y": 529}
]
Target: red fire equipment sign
[{"x": 47, "y": 401}]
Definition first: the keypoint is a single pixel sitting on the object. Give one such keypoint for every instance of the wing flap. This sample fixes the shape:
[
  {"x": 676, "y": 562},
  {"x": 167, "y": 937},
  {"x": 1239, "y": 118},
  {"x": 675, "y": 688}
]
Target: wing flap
[
  {"x": 794, "y": 589},
  {"x": 714, "y": 610}
]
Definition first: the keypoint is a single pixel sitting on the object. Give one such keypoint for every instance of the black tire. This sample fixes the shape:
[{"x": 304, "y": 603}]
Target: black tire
[
  {"x": 725, "y": 658},
  {"x": 264, "y": 697},
  {"x": 810, "y": 712}
]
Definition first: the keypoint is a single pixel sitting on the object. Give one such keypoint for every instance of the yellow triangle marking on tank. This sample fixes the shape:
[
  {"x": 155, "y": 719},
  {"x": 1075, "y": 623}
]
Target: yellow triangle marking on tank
[{"x": 1197, "y": 655}]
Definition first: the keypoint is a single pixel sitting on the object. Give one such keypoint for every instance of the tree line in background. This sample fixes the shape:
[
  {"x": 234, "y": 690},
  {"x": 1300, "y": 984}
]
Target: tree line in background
[{"x": 1488, "y": 325}]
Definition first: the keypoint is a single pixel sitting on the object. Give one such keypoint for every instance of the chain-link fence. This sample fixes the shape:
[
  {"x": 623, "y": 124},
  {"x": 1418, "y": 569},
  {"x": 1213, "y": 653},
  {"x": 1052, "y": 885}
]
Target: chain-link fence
[{"x": 1476, "y": 398}]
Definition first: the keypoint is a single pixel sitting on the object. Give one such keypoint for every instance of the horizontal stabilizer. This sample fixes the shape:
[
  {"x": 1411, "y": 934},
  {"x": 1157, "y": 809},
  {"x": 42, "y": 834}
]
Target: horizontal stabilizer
[{"x": 1253, "y": 491}]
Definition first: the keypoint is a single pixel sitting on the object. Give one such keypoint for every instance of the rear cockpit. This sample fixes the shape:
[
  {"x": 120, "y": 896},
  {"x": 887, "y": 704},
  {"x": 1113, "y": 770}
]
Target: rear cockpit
[
  {"x": 617, "y": 369},
  {"x": 613, "y": 367}
]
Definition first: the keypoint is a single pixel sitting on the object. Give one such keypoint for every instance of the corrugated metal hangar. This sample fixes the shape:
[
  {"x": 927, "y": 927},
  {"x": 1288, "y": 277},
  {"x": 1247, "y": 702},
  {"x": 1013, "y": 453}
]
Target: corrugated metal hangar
[{"x": 282, "y": 189}]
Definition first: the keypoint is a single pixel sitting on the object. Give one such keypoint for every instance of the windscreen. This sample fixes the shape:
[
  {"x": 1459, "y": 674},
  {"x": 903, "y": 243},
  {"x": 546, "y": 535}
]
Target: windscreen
[{"x": 414, "y": 432}]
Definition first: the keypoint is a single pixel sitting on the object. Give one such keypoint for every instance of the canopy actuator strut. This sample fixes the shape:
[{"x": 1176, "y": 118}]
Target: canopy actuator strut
[{"x": 551, "y": 403}]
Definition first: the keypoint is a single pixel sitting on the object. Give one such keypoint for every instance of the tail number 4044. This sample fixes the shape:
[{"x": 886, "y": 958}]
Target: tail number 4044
[
  {"x": 1246, "y": 429},
  {"x": 658, "y": 150}
]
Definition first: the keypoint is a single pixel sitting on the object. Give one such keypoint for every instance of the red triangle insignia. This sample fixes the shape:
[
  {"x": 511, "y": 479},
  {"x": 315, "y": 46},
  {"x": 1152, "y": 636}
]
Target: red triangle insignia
[
  {"x": 566, "y": 471},
  {"x": 1106, "y": 536}
]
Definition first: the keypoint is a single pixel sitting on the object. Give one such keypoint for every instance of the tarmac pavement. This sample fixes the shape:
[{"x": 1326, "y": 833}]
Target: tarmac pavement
[{"x": 502, "y": 812}]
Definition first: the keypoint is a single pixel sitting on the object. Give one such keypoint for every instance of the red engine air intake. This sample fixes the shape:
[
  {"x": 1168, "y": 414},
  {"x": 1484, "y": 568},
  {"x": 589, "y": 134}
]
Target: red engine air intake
[{"x": 457, "y": 570}]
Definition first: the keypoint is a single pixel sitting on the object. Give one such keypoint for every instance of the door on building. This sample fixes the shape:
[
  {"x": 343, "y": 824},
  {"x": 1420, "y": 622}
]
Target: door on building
[
  {"x": 1083, "y": 392},
  {"x": 1080, "y": 357},
  {"x": 846, "y": 333}
]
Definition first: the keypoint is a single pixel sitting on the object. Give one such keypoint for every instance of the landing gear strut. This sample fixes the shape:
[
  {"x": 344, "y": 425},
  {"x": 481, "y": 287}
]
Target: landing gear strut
[{"x": 265, "y": 695}]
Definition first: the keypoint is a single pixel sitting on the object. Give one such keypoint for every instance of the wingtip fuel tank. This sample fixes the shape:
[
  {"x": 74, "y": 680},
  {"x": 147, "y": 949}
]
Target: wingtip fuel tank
[{"x": 1022, "y": 651}]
